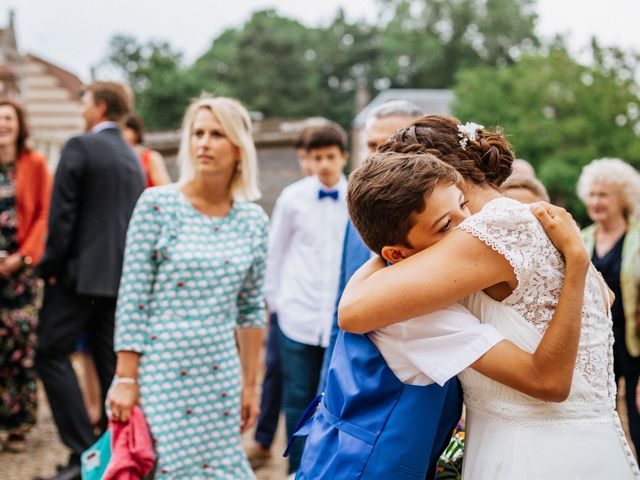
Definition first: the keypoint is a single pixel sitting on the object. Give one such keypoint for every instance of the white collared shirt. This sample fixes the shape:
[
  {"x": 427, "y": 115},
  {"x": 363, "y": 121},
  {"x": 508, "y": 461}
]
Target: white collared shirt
[
  {"x": 303, "y": 264},
  {"x": 104, "y": 125},
  {"x": 434, "y": 347}
]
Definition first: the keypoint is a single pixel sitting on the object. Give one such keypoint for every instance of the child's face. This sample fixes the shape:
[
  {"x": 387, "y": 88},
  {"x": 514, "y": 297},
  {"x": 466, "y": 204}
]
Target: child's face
[
  {"x": 328, "y": 163},
  {"x": 445, "y": 209},
  {"x": 304, "y": 161}
]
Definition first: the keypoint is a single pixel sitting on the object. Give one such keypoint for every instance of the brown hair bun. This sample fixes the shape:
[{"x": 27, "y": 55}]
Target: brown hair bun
[{"x": 485, "y": 160}]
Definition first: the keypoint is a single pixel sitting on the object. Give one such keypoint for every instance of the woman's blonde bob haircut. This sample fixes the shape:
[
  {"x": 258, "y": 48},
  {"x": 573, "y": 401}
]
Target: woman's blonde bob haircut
[
  {"x": 615, "y": 172},
  {"x": 236, "y": 124}
]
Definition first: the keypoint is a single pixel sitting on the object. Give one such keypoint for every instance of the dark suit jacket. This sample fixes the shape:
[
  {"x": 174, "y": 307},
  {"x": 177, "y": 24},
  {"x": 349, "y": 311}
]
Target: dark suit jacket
[{"x": 95, "y": 189}]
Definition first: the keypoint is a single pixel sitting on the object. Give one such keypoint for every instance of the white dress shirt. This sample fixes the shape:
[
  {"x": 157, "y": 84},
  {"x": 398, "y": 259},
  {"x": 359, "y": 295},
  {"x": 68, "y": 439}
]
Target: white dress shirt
[
  {"x": 104, "y": 125},
  {"x": 434, "y": 347},
  {"x": 303, "y": 264}
]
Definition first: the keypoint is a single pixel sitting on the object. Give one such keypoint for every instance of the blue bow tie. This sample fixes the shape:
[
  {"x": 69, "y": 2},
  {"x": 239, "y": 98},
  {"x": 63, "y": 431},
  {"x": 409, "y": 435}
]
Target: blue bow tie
[{"x": 327, "y": 193}]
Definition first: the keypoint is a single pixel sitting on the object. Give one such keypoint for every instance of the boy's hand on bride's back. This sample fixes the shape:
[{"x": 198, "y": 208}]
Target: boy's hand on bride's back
[{"x": 562, "y": 230}]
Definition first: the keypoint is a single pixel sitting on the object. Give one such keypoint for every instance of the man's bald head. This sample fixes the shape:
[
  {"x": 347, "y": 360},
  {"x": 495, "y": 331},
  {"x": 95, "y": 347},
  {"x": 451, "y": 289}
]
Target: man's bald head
[
  {"x": 385, "y": 119},
  {"x": 522, "y": 168}
]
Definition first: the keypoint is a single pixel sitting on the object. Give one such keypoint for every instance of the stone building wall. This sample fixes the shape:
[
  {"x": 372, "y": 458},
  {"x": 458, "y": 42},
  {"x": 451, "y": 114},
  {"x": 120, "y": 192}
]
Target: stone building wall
[{"x": 52, "y": 99}]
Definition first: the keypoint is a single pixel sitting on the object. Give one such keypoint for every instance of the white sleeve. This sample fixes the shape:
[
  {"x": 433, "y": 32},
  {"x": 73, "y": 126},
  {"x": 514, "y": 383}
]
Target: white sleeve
[
  {"x": 279, "y": 237},
  {"x": 444, "y": 343},
  {"x": 509, "y": 228}
]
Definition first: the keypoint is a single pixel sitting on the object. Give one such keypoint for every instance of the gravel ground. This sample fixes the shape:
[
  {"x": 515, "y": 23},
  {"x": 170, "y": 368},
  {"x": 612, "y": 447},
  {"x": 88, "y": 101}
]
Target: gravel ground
[{"x": 44, "y": 450}]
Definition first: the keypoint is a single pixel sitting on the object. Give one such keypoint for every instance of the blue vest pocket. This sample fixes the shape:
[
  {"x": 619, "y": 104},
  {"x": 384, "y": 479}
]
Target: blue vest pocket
[{"x": 335, "y": 449}]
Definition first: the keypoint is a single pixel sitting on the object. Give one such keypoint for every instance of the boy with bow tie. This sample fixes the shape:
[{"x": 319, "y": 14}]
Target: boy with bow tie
[{"x": 307, "y": 232}]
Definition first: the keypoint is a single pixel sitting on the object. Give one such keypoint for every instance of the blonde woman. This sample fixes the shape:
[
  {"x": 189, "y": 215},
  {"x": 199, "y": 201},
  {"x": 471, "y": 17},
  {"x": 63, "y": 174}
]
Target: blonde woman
[
  {"x": 192, "y": 280},
  {"x": 610, "y": 189}
]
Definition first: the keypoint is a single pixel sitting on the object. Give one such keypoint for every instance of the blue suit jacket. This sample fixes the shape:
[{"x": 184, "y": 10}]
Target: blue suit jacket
[{"x": 354, "y": 254}]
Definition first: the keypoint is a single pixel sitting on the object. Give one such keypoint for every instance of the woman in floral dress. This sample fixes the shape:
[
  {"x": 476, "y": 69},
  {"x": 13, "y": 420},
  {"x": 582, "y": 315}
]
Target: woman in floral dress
[
  {"x": 25, "y": 186},
  {"x": 192, "y": 285}
]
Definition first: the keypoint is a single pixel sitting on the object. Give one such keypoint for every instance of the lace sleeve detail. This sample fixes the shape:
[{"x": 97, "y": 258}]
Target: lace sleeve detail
[{"x": 510, "y": 229}]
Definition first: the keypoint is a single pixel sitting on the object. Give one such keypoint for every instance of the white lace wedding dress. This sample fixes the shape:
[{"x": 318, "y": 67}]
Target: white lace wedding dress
[{"x": 513, "y": 436}]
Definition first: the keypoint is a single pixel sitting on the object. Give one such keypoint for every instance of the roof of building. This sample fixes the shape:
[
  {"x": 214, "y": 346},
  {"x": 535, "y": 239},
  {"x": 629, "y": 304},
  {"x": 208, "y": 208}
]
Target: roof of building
[
  {"x": 67, "y": 79},
  {"x": 271, "y": 131},
  {"x": 432, "y": 101}
]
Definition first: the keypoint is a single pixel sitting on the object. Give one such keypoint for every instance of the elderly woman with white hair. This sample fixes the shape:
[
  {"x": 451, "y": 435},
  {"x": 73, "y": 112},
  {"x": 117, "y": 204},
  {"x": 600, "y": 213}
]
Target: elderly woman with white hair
[
  {"x": 192, "y": 283},
  {"x": 610, "y": 189}
]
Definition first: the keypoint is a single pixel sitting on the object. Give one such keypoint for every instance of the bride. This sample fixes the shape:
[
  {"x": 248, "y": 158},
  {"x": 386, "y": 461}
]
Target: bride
[{"x": 501, "y": 260}]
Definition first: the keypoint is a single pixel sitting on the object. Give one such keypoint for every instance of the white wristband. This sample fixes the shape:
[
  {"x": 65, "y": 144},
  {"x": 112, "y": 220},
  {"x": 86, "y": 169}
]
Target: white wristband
[{"x": 130, "y": 380}]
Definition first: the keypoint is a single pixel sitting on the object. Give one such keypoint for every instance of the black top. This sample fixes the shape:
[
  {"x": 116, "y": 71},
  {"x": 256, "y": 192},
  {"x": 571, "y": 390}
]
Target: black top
[
  {"x": 609, "y": 266},
  {"x": 96, "y": 186}
]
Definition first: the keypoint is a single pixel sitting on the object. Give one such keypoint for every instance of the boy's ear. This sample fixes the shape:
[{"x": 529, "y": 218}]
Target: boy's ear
[{"x": 392, "y": 254}]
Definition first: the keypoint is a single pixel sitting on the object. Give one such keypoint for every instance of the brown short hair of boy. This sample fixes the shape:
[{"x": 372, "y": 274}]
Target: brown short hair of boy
[
  {"x": 114, "y": 95},
  {"x": 388, "y": 190},
  {"x": 301, "y": 139},
  {"x": 534, "y": 185},
  {"x": 327, "y": 136}
]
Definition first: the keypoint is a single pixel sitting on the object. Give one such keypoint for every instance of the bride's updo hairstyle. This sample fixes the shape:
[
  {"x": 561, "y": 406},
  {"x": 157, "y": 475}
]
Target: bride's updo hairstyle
[{"x": 484, "y": 157}]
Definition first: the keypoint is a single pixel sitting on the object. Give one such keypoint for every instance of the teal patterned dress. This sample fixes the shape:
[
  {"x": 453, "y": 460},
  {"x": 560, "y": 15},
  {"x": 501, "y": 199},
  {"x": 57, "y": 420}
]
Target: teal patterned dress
[
  {"x": 18, "y": 317},
  {"x": 189, "y": 280}
]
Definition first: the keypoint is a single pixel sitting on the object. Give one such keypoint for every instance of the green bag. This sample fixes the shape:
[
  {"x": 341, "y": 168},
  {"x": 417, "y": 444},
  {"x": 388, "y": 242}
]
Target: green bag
[{"x": 95, "y": 459}]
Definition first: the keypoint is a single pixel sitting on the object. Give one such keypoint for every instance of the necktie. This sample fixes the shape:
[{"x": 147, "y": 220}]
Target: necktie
[{"x": 327, "y": 193}]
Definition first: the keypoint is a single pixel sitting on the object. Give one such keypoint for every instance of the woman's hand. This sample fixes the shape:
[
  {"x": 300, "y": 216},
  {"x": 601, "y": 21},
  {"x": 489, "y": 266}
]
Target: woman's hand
[
  {"x": 562, "y": 231},
  {"x": 121, "y": 399},
  {"x": 249, "y": 409},
  {"x": 10, "y": 264}
]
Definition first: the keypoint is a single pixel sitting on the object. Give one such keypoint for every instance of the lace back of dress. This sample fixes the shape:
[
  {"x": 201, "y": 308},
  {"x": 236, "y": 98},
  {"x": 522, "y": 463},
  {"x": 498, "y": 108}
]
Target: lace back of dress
[
  {"x": 511, "y": 229},
  {"x": 606, "y": 298}
]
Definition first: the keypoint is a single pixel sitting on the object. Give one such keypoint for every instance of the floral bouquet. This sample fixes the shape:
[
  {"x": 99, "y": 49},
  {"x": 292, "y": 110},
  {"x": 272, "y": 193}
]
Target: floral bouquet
[{"x": 450, "y": 463}]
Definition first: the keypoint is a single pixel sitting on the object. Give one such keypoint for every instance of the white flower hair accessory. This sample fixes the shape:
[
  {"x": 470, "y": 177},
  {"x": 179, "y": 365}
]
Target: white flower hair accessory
[{"x": 468, "y": 133}]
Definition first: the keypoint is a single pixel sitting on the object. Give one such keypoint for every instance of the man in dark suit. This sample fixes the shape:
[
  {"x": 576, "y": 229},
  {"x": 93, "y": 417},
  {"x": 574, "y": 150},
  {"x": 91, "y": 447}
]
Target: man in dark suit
[{"x": 96, "y": 186}]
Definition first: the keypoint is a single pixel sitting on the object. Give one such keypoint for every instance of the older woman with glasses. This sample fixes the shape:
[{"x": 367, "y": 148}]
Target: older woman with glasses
[{"x": 610, "y": 189}]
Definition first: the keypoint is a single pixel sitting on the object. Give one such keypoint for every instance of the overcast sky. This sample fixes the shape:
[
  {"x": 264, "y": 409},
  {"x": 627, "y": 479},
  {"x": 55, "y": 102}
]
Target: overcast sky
[{"x": 75, "y": 33}]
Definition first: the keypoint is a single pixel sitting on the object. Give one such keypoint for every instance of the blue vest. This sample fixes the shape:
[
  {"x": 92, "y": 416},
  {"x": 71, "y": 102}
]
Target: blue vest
[
  {"x": 370, "y": 425},
  {"x": 354, "y": 254}
]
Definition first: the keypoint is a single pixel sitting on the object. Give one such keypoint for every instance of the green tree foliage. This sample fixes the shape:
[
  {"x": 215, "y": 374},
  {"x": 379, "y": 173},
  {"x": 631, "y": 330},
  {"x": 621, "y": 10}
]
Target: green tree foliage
[
  {"x": 161, "y": 85},
  {"x": 425, "y": 42},
  {"x": 263, "y": 64},
  {"x": 346, "y": 55},
  {"x": 559, "y": 113},
  {"x": 280, "y": 67}
]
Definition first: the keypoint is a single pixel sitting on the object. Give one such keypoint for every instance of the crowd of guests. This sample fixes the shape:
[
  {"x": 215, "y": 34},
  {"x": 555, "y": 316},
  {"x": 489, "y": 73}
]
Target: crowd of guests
[{"x": 180, "y": 274}]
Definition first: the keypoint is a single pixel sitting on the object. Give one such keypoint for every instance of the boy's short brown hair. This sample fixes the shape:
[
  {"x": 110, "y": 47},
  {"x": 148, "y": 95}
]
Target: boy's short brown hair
[
  {"x": 327, "y": 136},
  {"x": 300, "y": 142},
  {"x": 115, "y": 96},
  {"x": 388, "y": 190}
]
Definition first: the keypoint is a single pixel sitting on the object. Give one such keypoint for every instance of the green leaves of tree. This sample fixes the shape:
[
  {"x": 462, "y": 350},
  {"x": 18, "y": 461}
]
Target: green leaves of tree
[
  {"x": 560, "y": 114},
  {"x": 281, "y": 67}
]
